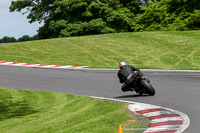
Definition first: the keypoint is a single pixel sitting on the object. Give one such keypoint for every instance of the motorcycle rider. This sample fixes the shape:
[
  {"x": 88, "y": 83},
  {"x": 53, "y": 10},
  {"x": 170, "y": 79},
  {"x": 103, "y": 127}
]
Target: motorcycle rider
[{"x": 126, "y": 75}]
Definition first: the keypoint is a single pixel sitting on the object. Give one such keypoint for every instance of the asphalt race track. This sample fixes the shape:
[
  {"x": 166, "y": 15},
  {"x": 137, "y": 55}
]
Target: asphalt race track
[{"x": 174, "y": 89}]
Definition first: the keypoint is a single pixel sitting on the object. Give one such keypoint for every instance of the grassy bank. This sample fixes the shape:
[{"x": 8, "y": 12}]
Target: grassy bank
[
  {"x": 46, "y": 112},
  {"x": 149, "y": 50}
]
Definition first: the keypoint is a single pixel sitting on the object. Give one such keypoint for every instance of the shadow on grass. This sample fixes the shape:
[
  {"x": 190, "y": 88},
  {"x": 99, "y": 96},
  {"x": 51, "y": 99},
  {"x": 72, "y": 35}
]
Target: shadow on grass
[{"x": 10, "y": 109}]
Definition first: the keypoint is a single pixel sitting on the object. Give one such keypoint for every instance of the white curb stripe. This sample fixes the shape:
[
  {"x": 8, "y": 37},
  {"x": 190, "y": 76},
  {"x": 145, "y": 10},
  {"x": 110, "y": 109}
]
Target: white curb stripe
[
  {"x": 143, "y": 106},
  {"x": 155, "y": 127},
  {"x": 40, "y": 65},
  {"x": 162, "y": 128},
  {"x": 6, "y": 63},
  {"x": 177, "y": 121},
  {"x": 180, "y": 124},
  {"x": 166, "y": 119},
  {"x": 157, "y": 113},
  {"x": 19, "y": 64}
]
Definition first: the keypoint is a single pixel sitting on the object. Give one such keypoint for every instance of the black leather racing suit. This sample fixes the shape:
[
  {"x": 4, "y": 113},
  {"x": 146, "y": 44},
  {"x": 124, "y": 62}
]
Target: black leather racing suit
[{"x": 124, "y": 73}]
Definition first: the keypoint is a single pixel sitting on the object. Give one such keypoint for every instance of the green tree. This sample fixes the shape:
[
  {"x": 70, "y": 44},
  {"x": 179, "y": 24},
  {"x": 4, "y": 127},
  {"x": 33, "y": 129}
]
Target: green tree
[
  {"x": 78, "y": 17},
  {"x": 7, "y": 39},
  {"x": 24, "y": 38},
  {"x": 35, "y": 37},
  {"x": 168, "y": 15}
]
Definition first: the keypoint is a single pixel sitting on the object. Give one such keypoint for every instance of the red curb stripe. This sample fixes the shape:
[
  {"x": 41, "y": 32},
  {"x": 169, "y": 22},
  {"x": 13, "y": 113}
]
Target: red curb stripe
[
  {"x": 27, "y": 64},
  {"x": 42, "y": 65},
  {"x": 38, "y": 65},
  {"x": 175, "y": 122},
  {"x": 3, "y": 62},
  {"x": 150, "y": 110},
  {"x": 13, "y": 63},
  {"x": 74, "y": 66},
  {"x": 167, "y": 131},
  {"x": 58, "y": 66},
  {"x": 164, "y": 116}
]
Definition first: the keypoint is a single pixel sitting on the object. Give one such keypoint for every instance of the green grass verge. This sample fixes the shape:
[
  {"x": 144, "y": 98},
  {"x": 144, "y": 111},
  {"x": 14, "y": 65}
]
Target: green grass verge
[
  {"x": 149, "y": 50},
  {"x": 46, "y": 112},
  {"x": 29, "y": 111}
]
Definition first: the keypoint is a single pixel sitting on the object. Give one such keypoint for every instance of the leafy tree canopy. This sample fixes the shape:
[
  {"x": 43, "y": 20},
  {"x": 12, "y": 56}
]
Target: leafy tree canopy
[
  {"x": 84, "y": 17},
  {"x": 7, "y": 39},
  {"x": 168, "y": 15},
  {"x": 78, "y": 17}
]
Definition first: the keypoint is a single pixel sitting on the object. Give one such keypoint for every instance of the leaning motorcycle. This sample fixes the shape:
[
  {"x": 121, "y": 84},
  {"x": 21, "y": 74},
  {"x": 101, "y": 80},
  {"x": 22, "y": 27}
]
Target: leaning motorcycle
[{"x": 141, "y": 84}]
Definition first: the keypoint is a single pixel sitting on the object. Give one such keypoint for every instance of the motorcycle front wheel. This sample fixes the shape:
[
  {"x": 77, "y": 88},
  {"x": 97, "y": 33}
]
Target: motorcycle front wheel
[{"x": 147, "y": 87}]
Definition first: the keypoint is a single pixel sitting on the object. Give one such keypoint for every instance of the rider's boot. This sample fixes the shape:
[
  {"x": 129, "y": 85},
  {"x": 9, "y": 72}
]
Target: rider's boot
[{"x": 134, "y": 89}]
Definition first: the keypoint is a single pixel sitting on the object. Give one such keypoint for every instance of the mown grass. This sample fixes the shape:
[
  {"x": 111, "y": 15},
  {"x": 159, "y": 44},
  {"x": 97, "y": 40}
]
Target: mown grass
[
  {"x": 148, "y": 50},
  {"x": 46, "y": 112},
  {"x": 29, "y": 111}
]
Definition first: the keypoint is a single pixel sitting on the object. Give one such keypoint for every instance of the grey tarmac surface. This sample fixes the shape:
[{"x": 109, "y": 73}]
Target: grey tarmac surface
[{"x": 175, "y": 90}]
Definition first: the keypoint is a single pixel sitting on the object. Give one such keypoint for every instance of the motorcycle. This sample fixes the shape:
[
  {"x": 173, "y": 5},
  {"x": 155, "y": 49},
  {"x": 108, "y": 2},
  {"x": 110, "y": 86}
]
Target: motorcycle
[{"x": 140, "y": 84}]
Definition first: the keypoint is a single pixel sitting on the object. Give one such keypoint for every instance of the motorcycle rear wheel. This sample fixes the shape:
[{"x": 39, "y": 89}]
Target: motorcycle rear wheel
[{"x": 148, "y": 87}]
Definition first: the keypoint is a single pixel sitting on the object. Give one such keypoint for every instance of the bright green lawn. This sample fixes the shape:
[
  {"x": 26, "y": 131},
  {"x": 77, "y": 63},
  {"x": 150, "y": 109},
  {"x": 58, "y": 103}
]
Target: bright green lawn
[
  {"x": 150, "y": 50},
  {"x": 29, "y": 111},
  {"x": 46, "y": 112}
]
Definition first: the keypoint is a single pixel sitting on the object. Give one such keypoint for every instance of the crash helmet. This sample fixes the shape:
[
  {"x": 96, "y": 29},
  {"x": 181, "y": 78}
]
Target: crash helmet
[{"x": 121, "y": 63}]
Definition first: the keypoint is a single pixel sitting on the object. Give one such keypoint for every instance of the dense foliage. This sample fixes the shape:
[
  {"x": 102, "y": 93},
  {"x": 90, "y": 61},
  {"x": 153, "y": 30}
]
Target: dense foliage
[
  {"x": 84, "y": 17},
  {"x": 169, "y": 15},
  {"x": 7, "y": 39}
]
